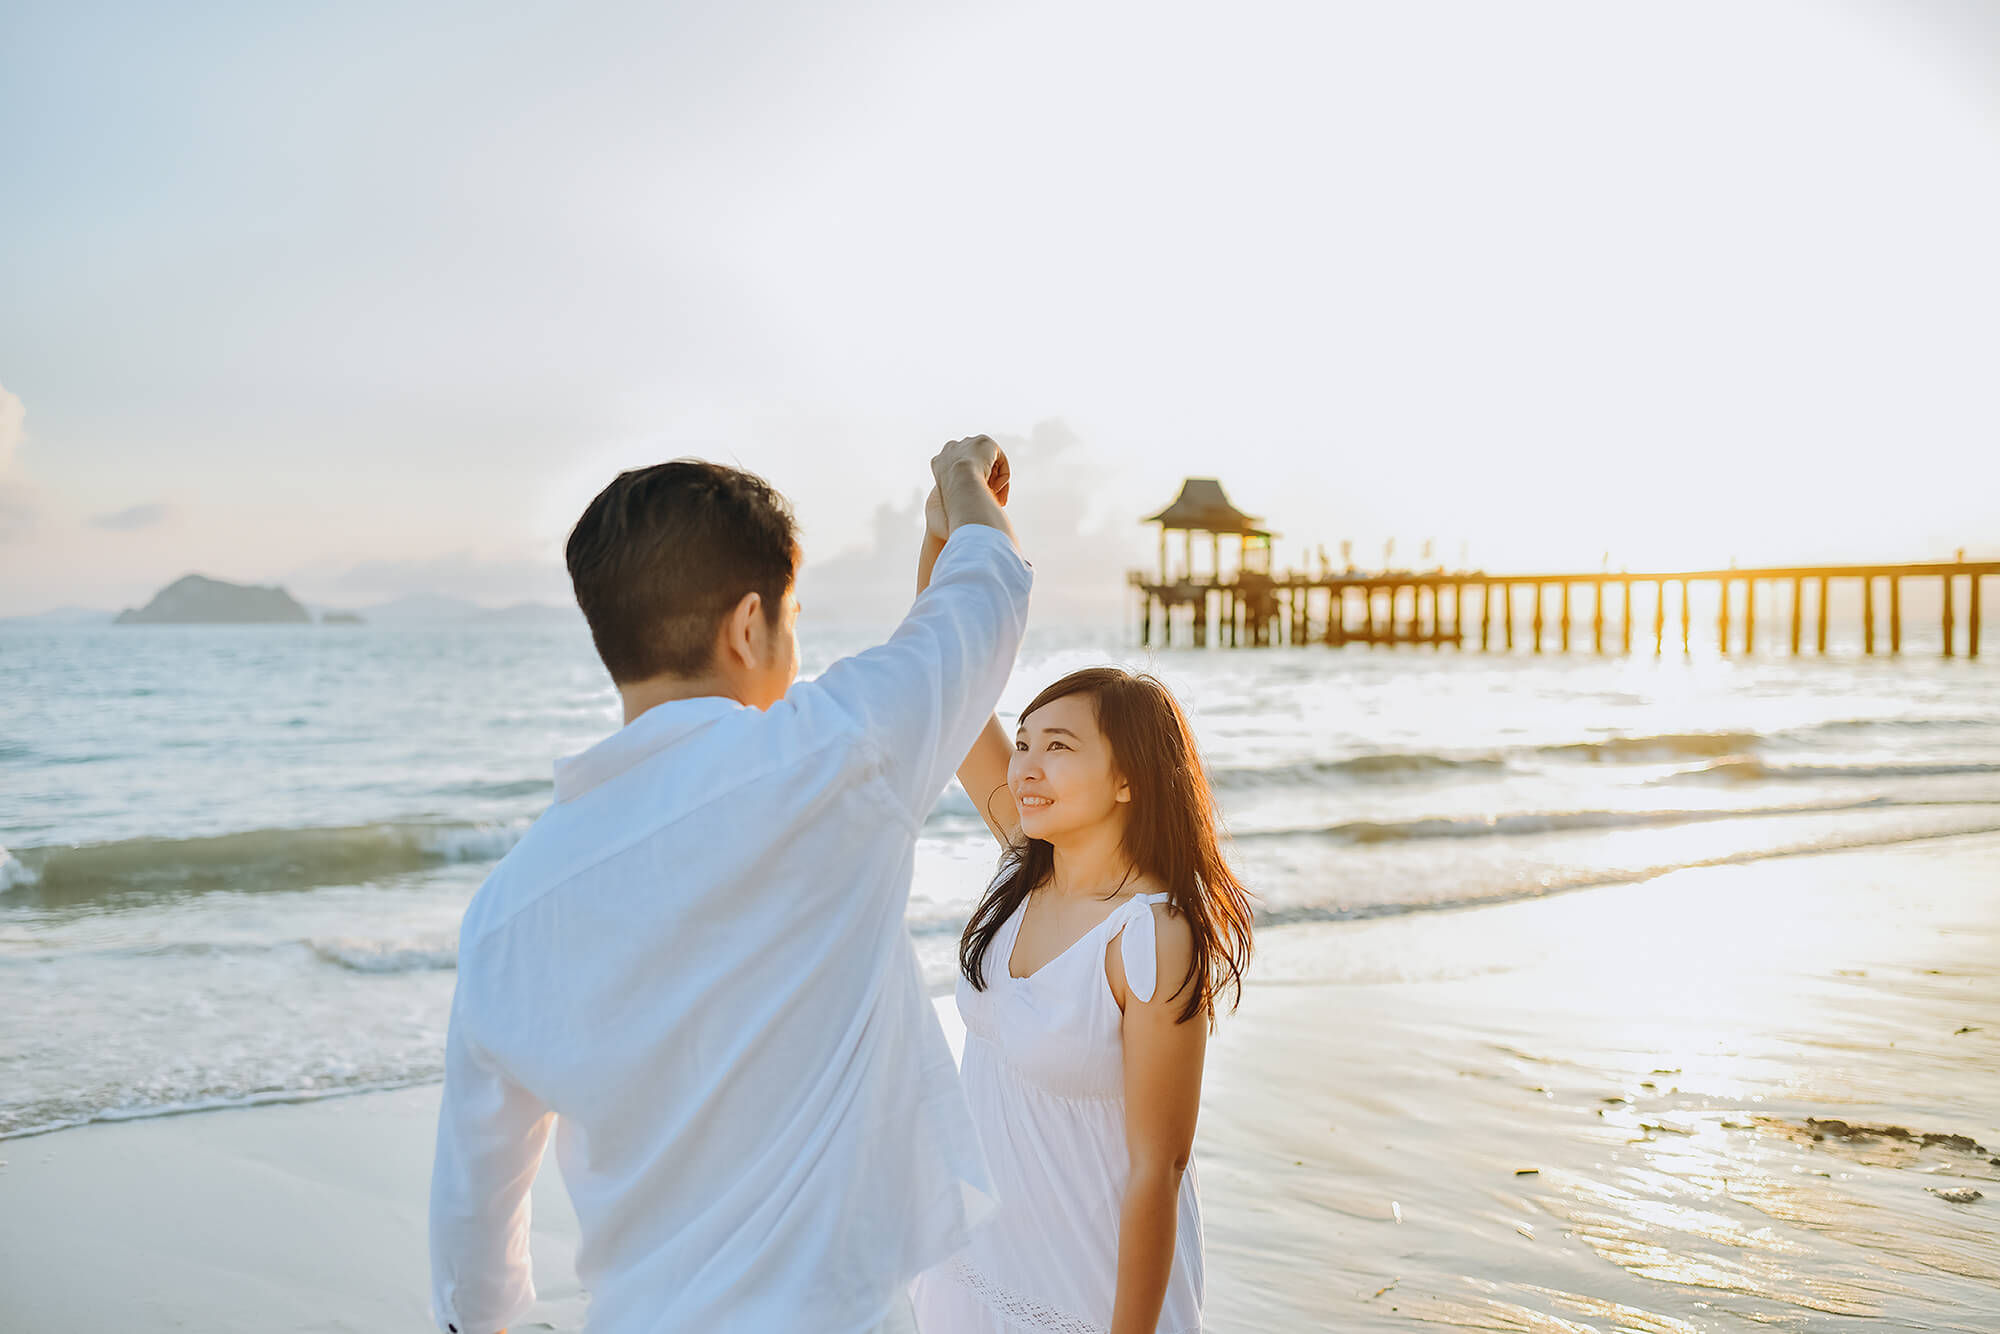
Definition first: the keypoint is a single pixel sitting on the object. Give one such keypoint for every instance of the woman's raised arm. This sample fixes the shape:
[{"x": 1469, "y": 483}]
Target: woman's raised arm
[{"x": 984, "y": 777}]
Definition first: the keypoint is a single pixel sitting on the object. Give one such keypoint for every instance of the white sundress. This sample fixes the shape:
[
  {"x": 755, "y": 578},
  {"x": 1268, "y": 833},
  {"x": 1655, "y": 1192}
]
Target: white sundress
[{"x": 1044, "y": 1073}]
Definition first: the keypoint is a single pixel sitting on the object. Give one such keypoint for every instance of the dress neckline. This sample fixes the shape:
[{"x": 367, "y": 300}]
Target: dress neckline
[{"x": 1021, "y": 917}]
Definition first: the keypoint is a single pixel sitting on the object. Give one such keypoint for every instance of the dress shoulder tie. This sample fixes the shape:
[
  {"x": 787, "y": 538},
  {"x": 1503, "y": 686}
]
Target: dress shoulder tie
[{"x": 1138, "y": 945}]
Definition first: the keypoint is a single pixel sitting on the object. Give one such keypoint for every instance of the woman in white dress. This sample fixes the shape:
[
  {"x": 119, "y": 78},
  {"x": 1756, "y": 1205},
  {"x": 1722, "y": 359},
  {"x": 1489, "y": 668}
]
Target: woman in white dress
[{"x": 1090, "y": 977}]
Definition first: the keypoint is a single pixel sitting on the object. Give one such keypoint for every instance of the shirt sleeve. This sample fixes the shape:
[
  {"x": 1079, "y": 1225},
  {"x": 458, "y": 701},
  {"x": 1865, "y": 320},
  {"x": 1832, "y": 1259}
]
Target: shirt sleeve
[
  {"x": 490, "y": 1140},
  {"x": 923, "y": 696}
]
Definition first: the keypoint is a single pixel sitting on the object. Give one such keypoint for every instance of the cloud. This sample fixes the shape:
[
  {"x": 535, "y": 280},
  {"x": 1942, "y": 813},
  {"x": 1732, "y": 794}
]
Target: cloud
[
  {"x": 20, "y": 505},
  {"x": 136, "y": 516},
  {"x": 1080, "y": 563}
]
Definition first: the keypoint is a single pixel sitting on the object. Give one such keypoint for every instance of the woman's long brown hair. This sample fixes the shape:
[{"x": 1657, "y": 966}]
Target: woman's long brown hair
[{"x": 1170, "y": 835}]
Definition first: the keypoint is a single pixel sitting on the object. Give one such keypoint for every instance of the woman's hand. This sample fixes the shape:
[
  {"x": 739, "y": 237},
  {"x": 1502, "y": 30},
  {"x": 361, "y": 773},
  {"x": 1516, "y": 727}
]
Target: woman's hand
[
  {"x": 973, "y": 481},
  {"x": 935, "y": 524}
]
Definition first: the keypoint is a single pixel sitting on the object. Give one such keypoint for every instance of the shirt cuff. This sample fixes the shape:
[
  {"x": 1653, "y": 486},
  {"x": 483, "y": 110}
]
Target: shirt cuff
[
  {"x": 975, "y": 537},
  {"x": 446, "y": 1316}
]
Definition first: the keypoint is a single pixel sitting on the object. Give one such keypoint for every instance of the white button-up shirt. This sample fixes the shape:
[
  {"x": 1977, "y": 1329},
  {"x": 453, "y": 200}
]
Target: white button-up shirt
[{"x": 694, "y": 970}]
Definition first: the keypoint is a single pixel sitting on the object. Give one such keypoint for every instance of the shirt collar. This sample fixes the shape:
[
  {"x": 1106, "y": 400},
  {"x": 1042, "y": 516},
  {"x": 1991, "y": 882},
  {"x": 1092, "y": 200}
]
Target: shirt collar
[{"x": 648, "y": 734}]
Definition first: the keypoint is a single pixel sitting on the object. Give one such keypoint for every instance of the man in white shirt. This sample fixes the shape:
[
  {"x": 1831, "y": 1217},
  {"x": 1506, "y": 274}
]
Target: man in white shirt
[{"x": 694, "y": 971}]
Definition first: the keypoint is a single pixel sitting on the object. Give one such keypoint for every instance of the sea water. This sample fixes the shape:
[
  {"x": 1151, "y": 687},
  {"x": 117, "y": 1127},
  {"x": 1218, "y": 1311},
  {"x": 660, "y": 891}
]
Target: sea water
[{"x": 236, "y": 857}]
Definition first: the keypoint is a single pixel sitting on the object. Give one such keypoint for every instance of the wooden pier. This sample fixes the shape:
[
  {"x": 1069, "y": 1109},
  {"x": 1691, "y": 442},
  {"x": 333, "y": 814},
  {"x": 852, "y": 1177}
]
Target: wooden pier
[{"x": 1251, "y": 606}]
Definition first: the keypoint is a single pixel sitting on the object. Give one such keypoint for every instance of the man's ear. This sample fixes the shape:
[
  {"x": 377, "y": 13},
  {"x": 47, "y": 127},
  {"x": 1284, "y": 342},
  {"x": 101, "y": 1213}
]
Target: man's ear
[{"x": 742, "y": 632}]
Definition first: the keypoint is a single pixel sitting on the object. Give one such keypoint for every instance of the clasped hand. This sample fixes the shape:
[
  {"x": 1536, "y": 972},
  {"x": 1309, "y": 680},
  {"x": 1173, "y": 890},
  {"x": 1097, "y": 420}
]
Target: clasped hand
[{"x": 961, "y": 462}]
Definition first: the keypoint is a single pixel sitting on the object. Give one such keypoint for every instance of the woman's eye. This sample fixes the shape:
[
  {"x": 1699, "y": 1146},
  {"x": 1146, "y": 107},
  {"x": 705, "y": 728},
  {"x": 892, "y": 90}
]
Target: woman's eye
[
  {"x": 1020, "y": 745},
  {"x": 1054, "y": 744}
]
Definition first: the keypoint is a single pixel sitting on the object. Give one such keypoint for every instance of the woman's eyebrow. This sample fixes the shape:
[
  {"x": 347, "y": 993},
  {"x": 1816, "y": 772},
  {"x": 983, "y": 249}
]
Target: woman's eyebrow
[{"x": 1064, "y": 731}]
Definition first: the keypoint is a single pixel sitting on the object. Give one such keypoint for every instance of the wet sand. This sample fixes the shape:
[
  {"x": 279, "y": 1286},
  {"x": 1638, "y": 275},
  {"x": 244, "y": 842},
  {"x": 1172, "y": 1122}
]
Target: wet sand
[
  {"x": 1621, "y": 1134},
  {"x": 1609, "y": 1110}
]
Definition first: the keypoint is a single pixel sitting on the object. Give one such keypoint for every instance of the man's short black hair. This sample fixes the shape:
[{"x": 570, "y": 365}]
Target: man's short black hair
[{"x": 664, "y": 553}]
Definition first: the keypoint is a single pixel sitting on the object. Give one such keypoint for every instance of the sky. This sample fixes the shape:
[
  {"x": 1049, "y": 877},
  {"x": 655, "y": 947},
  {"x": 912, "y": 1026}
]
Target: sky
[{"x": 370, "y": 299}]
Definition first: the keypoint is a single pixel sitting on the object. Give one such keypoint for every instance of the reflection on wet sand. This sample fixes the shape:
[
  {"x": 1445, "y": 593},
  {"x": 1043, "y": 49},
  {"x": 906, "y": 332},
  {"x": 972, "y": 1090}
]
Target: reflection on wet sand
[
  {"x": 1739, "y": 1098},
  {"x": 1495, "y": 1312}
]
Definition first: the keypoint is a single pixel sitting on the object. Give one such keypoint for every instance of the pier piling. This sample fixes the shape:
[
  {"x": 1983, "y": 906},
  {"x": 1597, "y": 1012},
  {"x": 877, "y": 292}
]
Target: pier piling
[
  {"x": 1972, "y": 621},
  {"x": 1255, "y": 608}
]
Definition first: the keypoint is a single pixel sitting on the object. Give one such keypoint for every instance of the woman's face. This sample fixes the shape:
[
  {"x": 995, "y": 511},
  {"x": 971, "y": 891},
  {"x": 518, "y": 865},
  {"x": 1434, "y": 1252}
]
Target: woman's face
[{"x": 1061, "y": 773}]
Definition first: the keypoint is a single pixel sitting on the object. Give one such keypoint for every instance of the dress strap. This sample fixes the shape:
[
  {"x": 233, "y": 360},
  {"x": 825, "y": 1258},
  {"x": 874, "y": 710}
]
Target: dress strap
[{"x": 1138, "y": 945}]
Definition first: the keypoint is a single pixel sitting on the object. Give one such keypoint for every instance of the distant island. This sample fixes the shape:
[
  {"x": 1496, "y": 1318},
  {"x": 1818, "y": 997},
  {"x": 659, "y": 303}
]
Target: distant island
[
  {"x": 341, "y": 618},
  {"x": 196, "y": 599}
]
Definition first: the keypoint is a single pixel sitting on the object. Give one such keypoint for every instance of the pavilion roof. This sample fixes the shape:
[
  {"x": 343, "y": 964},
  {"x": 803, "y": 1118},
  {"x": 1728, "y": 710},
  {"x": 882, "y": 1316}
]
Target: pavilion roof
[{"x": 1202, "y": 507}]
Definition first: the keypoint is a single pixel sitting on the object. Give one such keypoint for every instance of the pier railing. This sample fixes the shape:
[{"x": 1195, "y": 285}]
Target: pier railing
[{"x": 1250, "y": 608}]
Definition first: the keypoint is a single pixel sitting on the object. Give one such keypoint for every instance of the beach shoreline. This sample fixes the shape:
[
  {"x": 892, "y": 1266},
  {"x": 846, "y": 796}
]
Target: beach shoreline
[{"x": 1591, "y": 1111}]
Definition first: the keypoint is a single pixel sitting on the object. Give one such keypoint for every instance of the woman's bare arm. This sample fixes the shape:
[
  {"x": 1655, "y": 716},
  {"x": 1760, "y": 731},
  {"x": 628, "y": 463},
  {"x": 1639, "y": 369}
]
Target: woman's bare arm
[
  {"x": 1163, "y": 1060},
  {"x": 984, "y": 777}
]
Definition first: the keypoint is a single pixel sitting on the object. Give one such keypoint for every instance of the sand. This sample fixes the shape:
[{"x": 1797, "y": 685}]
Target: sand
[{"x": 1602, "y": 1111}]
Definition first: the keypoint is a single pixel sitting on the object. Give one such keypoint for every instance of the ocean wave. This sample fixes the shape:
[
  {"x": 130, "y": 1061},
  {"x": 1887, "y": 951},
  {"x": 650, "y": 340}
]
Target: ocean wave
[
  {"x": 252, "y": 860},
  {"x": 1521, "y": 823},
  {"x": 353, "y": 953},
  {"x": 82, "y": 1109},
  {"x": 1543, "y": 822},
  {"x": 202, "y": 1090},
  {"x": 385, "y": 956},
  {"x": 178, "y": 949},
  {"x": 1840, "y": 726},
  {"x": 13, "y": 872},
  {"x": 1660, "y": 748},
  {"x": 1665, "y": 747},
  {"x": 1559, "y": 879},
  {"x": 954, "y": 804},
  {"x": 1379, "y": 765},
  {"x": 1748, "y": 769},
  {"x": 519, "y": 787},
  {"x": 1583, "y": 878}
]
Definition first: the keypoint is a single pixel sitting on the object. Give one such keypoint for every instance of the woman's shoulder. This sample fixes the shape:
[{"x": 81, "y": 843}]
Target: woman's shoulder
[
  {"x": 1161, "y": 902},
  {"x": 1172, "y": 935},
  {"x": 1154, "y": 895},
  {"x": 1167, "y": 938}
]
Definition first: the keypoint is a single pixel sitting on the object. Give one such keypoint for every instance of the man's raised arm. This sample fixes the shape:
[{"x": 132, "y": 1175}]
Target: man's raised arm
[{"x": 924, "y": 695}]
